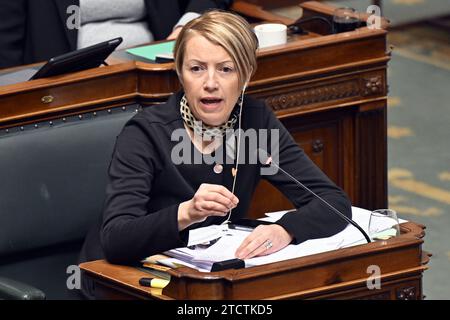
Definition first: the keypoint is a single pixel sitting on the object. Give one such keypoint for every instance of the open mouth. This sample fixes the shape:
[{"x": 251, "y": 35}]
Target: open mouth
[{"x": 211, "y": 101}]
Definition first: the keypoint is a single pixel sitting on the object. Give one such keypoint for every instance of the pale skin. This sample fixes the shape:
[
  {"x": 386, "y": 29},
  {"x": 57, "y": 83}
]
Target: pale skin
[
  {"x": 211, "y": 84},
  {"x": 175, "y": 33}
]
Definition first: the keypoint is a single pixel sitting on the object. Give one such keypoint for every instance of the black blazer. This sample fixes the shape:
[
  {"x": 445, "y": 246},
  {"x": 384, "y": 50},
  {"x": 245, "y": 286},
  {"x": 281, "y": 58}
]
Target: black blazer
[
  {"x": 35, "y": 30},
  {"x": 145, "y": 186}
]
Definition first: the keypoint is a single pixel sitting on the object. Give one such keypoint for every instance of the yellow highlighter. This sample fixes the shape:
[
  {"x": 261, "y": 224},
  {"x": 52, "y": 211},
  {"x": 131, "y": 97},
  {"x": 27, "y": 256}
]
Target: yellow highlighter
[{"x": 153, "y": 282}]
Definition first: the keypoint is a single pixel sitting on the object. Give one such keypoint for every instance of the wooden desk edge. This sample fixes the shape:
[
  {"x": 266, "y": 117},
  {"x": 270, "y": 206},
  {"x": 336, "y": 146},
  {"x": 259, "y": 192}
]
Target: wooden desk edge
[
  {"x": 106, "y": 274},
  {"x": 411, "y": 237}
]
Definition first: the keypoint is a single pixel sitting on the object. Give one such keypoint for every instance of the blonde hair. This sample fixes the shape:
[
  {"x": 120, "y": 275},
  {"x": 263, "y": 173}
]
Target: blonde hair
[{"x": 227, "y": 30}]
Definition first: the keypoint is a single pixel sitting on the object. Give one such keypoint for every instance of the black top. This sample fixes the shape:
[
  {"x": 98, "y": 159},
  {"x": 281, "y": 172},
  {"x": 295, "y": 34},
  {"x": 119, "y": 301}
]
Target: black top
[{"x": 145, "y": 186}]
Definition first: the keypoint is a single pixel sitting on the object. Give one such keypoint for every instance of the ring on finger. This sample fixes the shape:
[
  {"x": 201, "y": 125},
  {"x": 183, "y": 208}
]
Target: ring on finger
[{"x": 268, "y": 244}]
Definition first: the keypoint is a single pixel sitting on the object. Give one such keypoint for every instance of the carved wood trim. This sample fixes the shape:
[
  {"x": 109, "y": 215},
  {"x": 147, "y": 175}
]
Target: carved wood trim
[
  {"x": 426, "y": 257},
  {"x": 301, "y": 97},
  {"x": 316, "y": 94},
  {"x": 373, "y": 85},
  {"x": 317, "y": 146},
  {"x": 389, "y": 282},
  {"x": 341, "y": 69},
  {"x": 408, "y": 293}
]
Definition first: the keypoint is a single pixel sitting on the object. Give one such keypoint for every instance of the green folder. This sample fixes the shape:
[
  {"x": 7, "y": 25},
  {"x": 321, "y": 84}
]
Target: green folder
[{"x": 150, "y": 51}]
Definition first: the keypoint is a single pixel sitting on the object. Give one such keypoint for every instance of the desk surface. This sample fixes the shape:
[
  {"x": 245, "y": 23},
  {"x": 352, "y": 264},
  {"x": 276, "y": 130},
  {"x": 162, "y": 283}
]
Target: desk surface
[
  {"x": 338, "y": 274},
  {"x": 125, "y": 277}
]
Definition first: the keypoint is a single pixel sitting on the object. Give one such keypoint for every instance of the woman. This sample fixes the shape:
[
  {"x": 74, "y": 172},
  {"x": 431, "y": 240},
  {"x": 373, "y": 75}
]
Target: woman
[{"x": 153, "y": 199}]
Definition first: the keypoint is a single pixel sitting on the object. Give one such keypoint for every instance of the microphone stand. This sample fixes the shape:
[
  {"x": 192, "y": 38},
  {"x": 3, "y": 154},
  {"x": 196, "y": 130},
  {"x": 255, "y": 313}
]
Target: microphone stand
[{"x": 320, "y": 198}]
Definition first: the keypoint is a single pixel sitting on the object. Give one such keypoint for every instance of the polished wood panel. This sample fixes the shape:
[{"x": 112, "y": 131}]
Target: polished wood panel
[
  {"x": 319, "y": 138},
  {"x": 271, "y": 4}
]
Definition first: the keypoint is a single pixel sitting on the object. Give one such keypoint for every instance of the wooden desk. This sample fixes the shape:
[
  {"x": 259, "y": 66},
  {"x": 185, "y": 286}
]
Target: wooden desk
[
  {"x": 329, "y": 90},
  {"x": 339, "y": 274}
]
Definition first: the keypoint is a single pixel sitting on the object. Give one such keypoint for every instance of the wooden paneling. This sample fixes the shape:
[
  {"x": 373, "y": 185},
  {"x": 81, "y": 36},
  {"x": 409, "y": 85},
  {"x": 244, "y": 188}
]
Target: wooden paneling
[{"x": 321, "y": 140}]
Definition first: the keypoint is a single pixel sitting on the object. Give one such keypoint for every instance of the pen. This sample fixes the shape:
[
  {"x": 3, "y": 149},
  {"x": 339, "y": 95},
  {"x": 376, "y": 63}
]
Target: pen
[
  {"x": 155, "y": 266},
  {"x": 203, "y": 245},
  {"x": 241, "y": 228}
]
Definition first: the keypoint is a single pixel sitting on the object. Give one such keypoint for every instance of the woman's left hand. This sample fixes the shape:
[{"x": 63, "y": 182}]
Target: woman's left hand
[
  {"x": 174, "y": 33},
  {"x": 264, "y": 240}
]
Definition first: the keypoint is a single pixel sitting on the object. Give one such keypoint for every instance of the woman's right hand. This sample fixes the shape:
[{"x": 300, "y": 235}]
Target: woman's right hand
[{"x": 209, "y": 200}]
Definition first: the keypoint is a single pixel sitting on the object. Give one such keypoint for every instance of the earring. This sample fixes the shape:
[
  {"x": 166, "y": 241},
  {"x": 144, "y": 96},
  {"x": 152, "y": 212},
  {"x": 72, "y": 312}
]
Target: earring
[{"x": 240, "y": 99}]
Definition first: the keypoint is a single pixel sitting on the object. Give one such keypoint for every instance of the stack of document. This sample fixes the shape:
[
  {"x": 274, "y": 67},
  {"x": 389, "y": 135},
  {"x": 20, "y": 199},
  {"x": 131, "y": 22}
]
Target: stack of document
[
  {"x": 228, "y": 240},
  {"x": 202, "y": 258}
]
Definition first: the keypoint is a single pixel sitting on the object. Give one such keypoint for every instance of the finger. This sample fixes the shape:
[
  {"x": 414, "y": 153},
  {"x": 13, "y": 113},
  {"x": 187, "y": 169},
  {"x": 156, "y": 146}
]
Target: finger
[
  {"x": 223, "y": 191},
  {"x": 210, "y": 206},
  {"x": 247, "y": 250},
  {"x": 218, "y": 213},
  {"x": 257, "y": 232},
  {"x": 201, "y": 216},
  {"x": 219, "y": 198},
  {"x": 279, "y": 238},
  {"x": 253, "y": 241},
  {"x": 245, "y": 244},
  {"x": 227, "y": 194},
  {"x": 259, "y": 251},
  {"x": 202, "y": 205}
]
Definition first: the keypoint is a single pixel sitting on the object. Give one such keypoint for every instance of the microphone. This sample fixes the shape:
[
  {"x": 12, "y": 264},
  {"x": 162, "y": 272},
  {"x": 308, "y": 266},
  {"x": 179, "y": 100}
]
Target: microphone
[{"x": 266, "y": 159}]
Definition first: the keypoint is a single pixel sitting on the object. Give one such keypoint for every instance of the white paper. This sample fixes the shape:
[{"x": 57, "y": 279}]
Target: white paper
[
  {"x": 206, "y": 234},
  {"x": 225, "y": 248}
]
